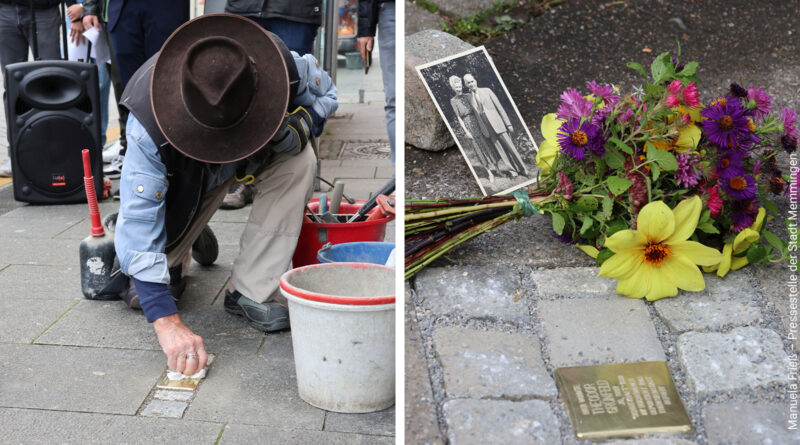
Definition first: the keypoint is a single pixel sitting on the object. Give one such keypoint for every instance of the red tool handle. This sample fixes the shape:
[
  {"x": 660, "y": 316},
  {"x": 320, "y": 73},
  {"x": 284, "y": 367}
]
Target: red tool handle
[{"x": 91, "y": 195}]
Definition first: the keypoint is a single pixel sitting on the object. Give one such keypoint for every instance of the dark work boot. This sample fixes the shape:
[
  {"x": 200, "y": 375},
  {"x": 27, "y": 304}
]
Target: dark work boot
[{"x": 265, "y": 317}]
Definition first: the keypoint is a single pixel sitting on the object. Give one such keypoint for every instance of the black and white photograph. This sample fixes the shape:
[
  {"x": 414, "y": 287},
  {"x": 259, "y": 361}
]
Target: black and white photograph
[{"x": 483, "y": 119}]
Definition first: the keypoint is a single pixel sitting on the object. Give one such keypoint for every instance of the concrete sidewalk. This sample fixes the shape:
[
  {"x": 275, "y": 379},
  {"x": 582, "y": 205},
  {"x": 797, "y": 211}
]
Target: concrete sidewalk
[{"x": 79, "y": 371}]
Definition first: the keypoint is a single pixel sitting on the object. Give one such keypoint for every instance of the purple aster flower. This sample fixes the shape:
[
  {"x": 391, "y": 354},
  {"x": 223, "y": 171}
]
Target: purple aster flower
[
  {"x": 678, "y": 66},
  {"x": 744, "y": 213},
  {"x": 759, "y": 101},
  {"x": 605, "y": 93},
  {"x": 739, "y": 185},
  {"x": 789, "y": 118},
  {"x": 726, "y": 124},
  {"x": 737, "y": 90},
  {"x": 757, "y": 166},
  {"x": 576, "y": 137},
  {"x": 625, "y": 116},
  {"x": 573, "y": 105},
  {"x": 688, "y": 173},
  {"x": 729, "y": 161},
  {"x": 565, "y": 237}
]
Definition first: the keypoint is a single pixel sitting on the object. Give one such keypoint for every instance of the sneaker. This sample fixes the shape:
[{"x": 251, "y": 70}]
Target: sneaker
[
  {"x": 116, "y": 195},
  {"x": 111, "y": 151},
  {"x": 265, "y": 317},
  {"x": 238, "y": 196},
  {"x": 5, "y": 168},
  {"x": 205, "y": 248},
  {"x": 114, "y": 170}
]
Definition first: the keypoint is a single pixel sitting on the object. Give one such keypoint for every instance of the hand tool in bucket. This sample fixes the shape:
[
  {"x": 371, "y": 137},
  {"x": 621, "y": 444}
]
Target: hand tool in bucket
[
  {"x": 385, "y": 190},
  {"x": 97, "y": 253},
  {"x": 385, "y": 208}
]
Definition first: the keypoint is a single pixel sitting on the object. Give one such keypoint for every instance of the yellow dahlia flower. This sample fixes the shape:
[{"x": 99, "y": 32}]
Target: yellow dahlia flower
[
  {"x": 741, "y": 243},
  {"x": 656, "y": 260},
  {"x": 549, "y": 148}
]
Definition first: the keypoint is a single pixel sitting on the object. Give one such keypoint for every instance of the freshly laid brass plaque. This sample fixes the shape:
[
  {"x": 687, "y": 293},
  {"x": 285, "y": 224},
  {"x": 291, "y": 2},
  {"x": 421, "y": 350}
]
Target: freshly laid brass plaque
[{"x": 622, "y": 400}]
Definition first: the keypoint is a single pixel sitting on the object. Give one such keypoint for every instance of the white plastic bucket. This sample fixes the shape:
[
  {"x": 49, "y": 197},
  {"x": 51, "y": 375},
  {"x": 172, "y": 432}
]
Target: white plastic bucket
[{"x": 342, "y": 317}]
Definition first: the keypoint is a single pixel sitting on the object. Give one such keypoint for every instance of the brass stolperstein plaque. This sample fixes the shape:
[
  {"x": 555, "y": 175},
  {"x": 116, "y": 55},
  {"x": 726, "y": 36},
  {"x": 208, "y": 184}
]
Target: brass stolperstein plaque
[{"x": 622, "y": 400}]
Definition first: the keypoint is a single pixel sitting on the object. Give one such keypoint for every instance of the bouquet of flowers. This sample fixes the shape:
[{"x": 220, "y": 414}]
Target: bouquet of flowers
[{"x": 653, "y": 184}]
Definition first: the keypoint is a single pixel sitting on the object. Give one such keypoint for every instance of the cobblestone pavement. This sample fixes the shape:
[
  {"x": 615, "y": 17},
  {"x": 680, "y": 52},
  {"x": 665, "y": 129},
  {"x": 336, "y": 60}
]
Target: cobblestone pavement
[{"x": 487, "y": 326}]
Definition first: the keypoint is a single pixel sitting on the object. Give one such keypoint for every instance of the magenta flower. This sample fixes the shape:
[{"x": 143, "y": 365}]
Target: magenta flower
[
  {"x": 576, "y": 137},
  {"x": 758, "y": 101},
  {"x": 688, "y": 172},
  {"x": 726, "y": 124},
  {"x": 789, "y": 117},
  {"x": 690, "y": 95},
  {"x": 744, "y": 213},
  {"x": 573, "y": 105}
]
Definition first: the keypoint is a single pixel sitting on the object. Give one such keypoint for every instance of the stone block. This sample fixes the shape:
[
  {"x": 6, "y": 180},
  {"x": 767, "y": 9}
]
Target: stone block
[
  {"x": 463, "y": 8},
  {"x": 500, "y": 421},
  {"x": 587, "y": 331},
  {"x": 421, "y": 422},
  {"x": 745, "y": 357},
  {"x": 480, "y": 364},
  {"x": 380, "y": 423},
  {"x": 424, "y": 126},
  {"x": 419, "y": 19},
  {"x": 244, "y": 434},
  {"x": 489, "y": 293},
  {"x": 164, "y": 408},
  {"x": 572, "y": 282},
  {"x": 737, "y": 422},
  {"x": 727, "y": 301},
  {"x": 173, "y": 396}
]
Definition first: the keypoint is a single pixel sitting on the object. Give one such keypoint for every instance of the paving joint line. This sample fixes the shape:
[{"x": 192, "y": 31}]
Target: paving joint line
[{"x": 55, "y": 321}]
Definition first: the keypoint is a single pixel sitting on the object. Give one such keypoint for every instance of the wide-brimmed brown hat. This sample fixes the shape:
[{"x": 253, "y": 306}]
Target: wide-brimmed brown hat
[{"x": 219, "y": 88}]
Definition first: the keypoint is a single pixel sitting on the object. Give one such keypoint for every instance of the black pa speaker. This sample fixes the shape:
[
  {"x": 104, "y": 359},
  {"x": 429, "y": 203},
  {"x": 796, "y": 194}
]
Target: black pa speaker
[{"x": 53, "y": 112}]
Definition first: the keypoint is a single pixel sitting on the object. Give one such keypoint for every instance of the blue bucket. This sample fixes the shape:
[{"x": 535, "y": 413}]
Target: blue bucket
[{"x": 357, "y": 252}]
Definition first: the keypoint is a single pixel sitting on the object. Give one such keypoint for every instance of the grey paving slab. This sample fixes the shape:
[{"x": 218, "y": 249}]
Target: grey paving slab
[
  {"x": 379, "y": 423},
  {"x": 385, "y": 172},
  {"x": 653, "y": 441},
  {"x": 222, "y": 332},
  {"x": 37, "y": 227},
  {"x": 490, "y": 293},
  {"x": 174, "y": 396},
  {"x": 245, "y": 434},
  {"x": 33, "y": 282},
  {"x": 485, "y": 364},
  {"x": 421, "y": 422},
  {"x": 72, "y": 211},
  {"x": 237, "y": 215},
  {"x": 228, "y": 232},
  {"x": 773, "y": 280},
  {"x": 78, "y": 231},
  {"x": 203, "y": 285},
  {"x": 255, "y": 390},
  {"x": 346, "y": 172},
  {"x": 23, "y": 320},
  {"x": 53, "y": 252},
  {"x": 737, "y": 422},
  {"x": 584, "y": 331},
  {"x": 105, "y": 324},
  {"x": 500, "y": 421},
  {"x": 37, "y": 427},
  {"x": 363, "y": 188},
  {"x": 725, "y": 302},
  {"x": 164, "y": 408},
  {"x": 112, "y": 381},
  {"x": 742, "y": 358},
  {"x": 572, "y": 282},
  {"x": 325, "y": 163}
]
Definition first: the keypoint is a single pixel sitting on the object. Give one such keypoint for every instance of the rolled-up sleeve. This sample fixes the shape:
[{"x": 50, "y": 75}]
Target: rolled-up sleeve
[
  {"x": 140, "y": 235},
  {"x": 316, "y": 90}
]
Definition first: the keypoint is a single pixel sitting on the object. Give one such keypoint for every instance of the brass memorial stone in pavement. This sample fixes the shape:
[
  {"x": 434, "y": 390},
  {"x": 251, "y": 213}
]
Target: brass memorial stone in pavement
[{"x": 622, "y": 400}]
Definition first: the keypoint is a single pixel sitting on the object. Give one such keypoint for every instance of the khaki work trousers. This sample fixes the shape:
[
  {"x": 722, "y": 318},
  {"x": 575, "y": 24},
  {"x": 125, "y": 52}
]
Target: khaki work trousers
[{"x": 267, "y": 244}]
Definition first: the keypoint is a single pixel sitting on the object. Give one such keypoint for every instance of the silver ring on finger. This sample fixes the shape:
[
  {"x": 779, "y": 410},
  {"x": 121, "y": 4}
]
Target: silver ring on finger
[{"x": 191, "y": 356}]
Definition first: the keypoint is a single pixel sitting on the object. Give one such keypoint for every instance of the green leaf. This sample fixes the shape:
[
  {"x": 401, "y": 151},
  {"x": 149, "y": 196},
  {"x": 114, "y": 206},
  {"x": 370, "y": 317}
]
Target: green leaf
[
  {"x": 586, "y": 204},
  {"x": 770, "y": 206},
  {"x": 603, "y": 255},
  {"x": 663, "y": 158},
  {"x": 614, "y": 140},
  {"x": 558, "y": 223},
  {"x": 655, "y": 171},
  {"x": 689, "y": 70},
  {"x": 708, "y": 227},
  {"x": 654, "y": 91},
  {"x": 637, "y": 67},
  {"x": 585, "y": 178},
  {"x": 662, "y": 69},
  {"x": 756, "y": 253},
  {"x": 613, "y": 159},
  {"x": 618, "y": 185},
  {"x": 608, "y": 207},
  {"x": 776, "y": 242},
  {"x": 587, "y": 224}
]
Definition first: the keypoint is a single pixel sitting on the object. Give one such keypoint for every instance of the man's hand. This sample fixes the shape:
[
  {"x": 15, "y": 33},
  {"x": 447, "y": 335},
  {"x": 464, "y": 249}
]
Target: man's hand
[
  {"x": 90, "y": 21},
  {"x": 184, "y": 350},
  {"x": 75, "y": 12},
  {"x": 76, "y": 33},
  {"x": 365, "y": 46}
]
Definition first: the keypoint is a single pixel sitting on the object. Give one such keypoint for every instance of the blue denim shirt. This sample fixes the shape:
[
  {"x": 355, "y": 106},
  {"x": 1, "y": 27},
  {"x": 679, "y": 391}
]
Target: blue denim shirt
[{"x": 140, "y": 235}]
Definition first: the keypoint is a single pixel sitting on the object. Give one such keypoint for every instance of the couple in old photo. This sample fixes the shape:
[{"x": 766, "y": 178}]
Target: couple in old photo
[{"x": 487, "y": 128}]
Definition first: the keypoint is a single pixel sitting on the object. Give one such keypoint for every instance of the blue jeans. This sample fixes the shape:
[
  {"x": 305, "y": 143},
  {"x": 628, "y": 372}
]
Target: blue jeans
[
  {"x": 299, "y": 37},
  {"x": 386, "y": 43}
]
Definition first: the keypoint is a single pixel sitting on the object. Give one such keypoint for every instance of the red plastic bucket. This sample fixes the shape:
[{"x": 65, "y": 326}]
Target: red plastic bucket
[{"x": 314, "y": 235}]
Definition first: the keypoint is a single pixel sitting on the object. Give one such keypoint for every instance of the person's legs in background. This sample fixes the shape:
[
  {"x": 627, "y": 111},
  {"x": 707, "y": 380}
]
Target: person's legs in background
[
  {"x": 105, "y": 87},
  {"x": 386, "y": 43}
]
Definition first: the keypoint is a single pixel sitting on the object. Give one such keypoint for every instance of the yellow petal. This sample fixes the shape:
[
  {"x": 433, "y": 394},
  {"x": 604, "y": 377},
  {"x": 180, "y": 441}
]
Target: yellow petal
[
  {"x": 588, "y": 250},
  {"x": 744, "y": 239},
  {"x": 696, "y": 252},
  {"x": 621, "y": 265},
  {"x": 739, "y": 262},
  {"x": 546, "y": 156},
  {"x": 725, "y": 263},
  {"x": 759, "y": 220},
  {"x": 635, "y": 286},
  {"x": 686, "y": 214},
  {"x": 689, "y": 137},
  {"x": 685, "y": 274},
  {"x": 550, "y": 126},
  {"x": 626, "y": 240},
  {"x": 656, "y": 221},
  {"x": 660, "y": 283}
]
